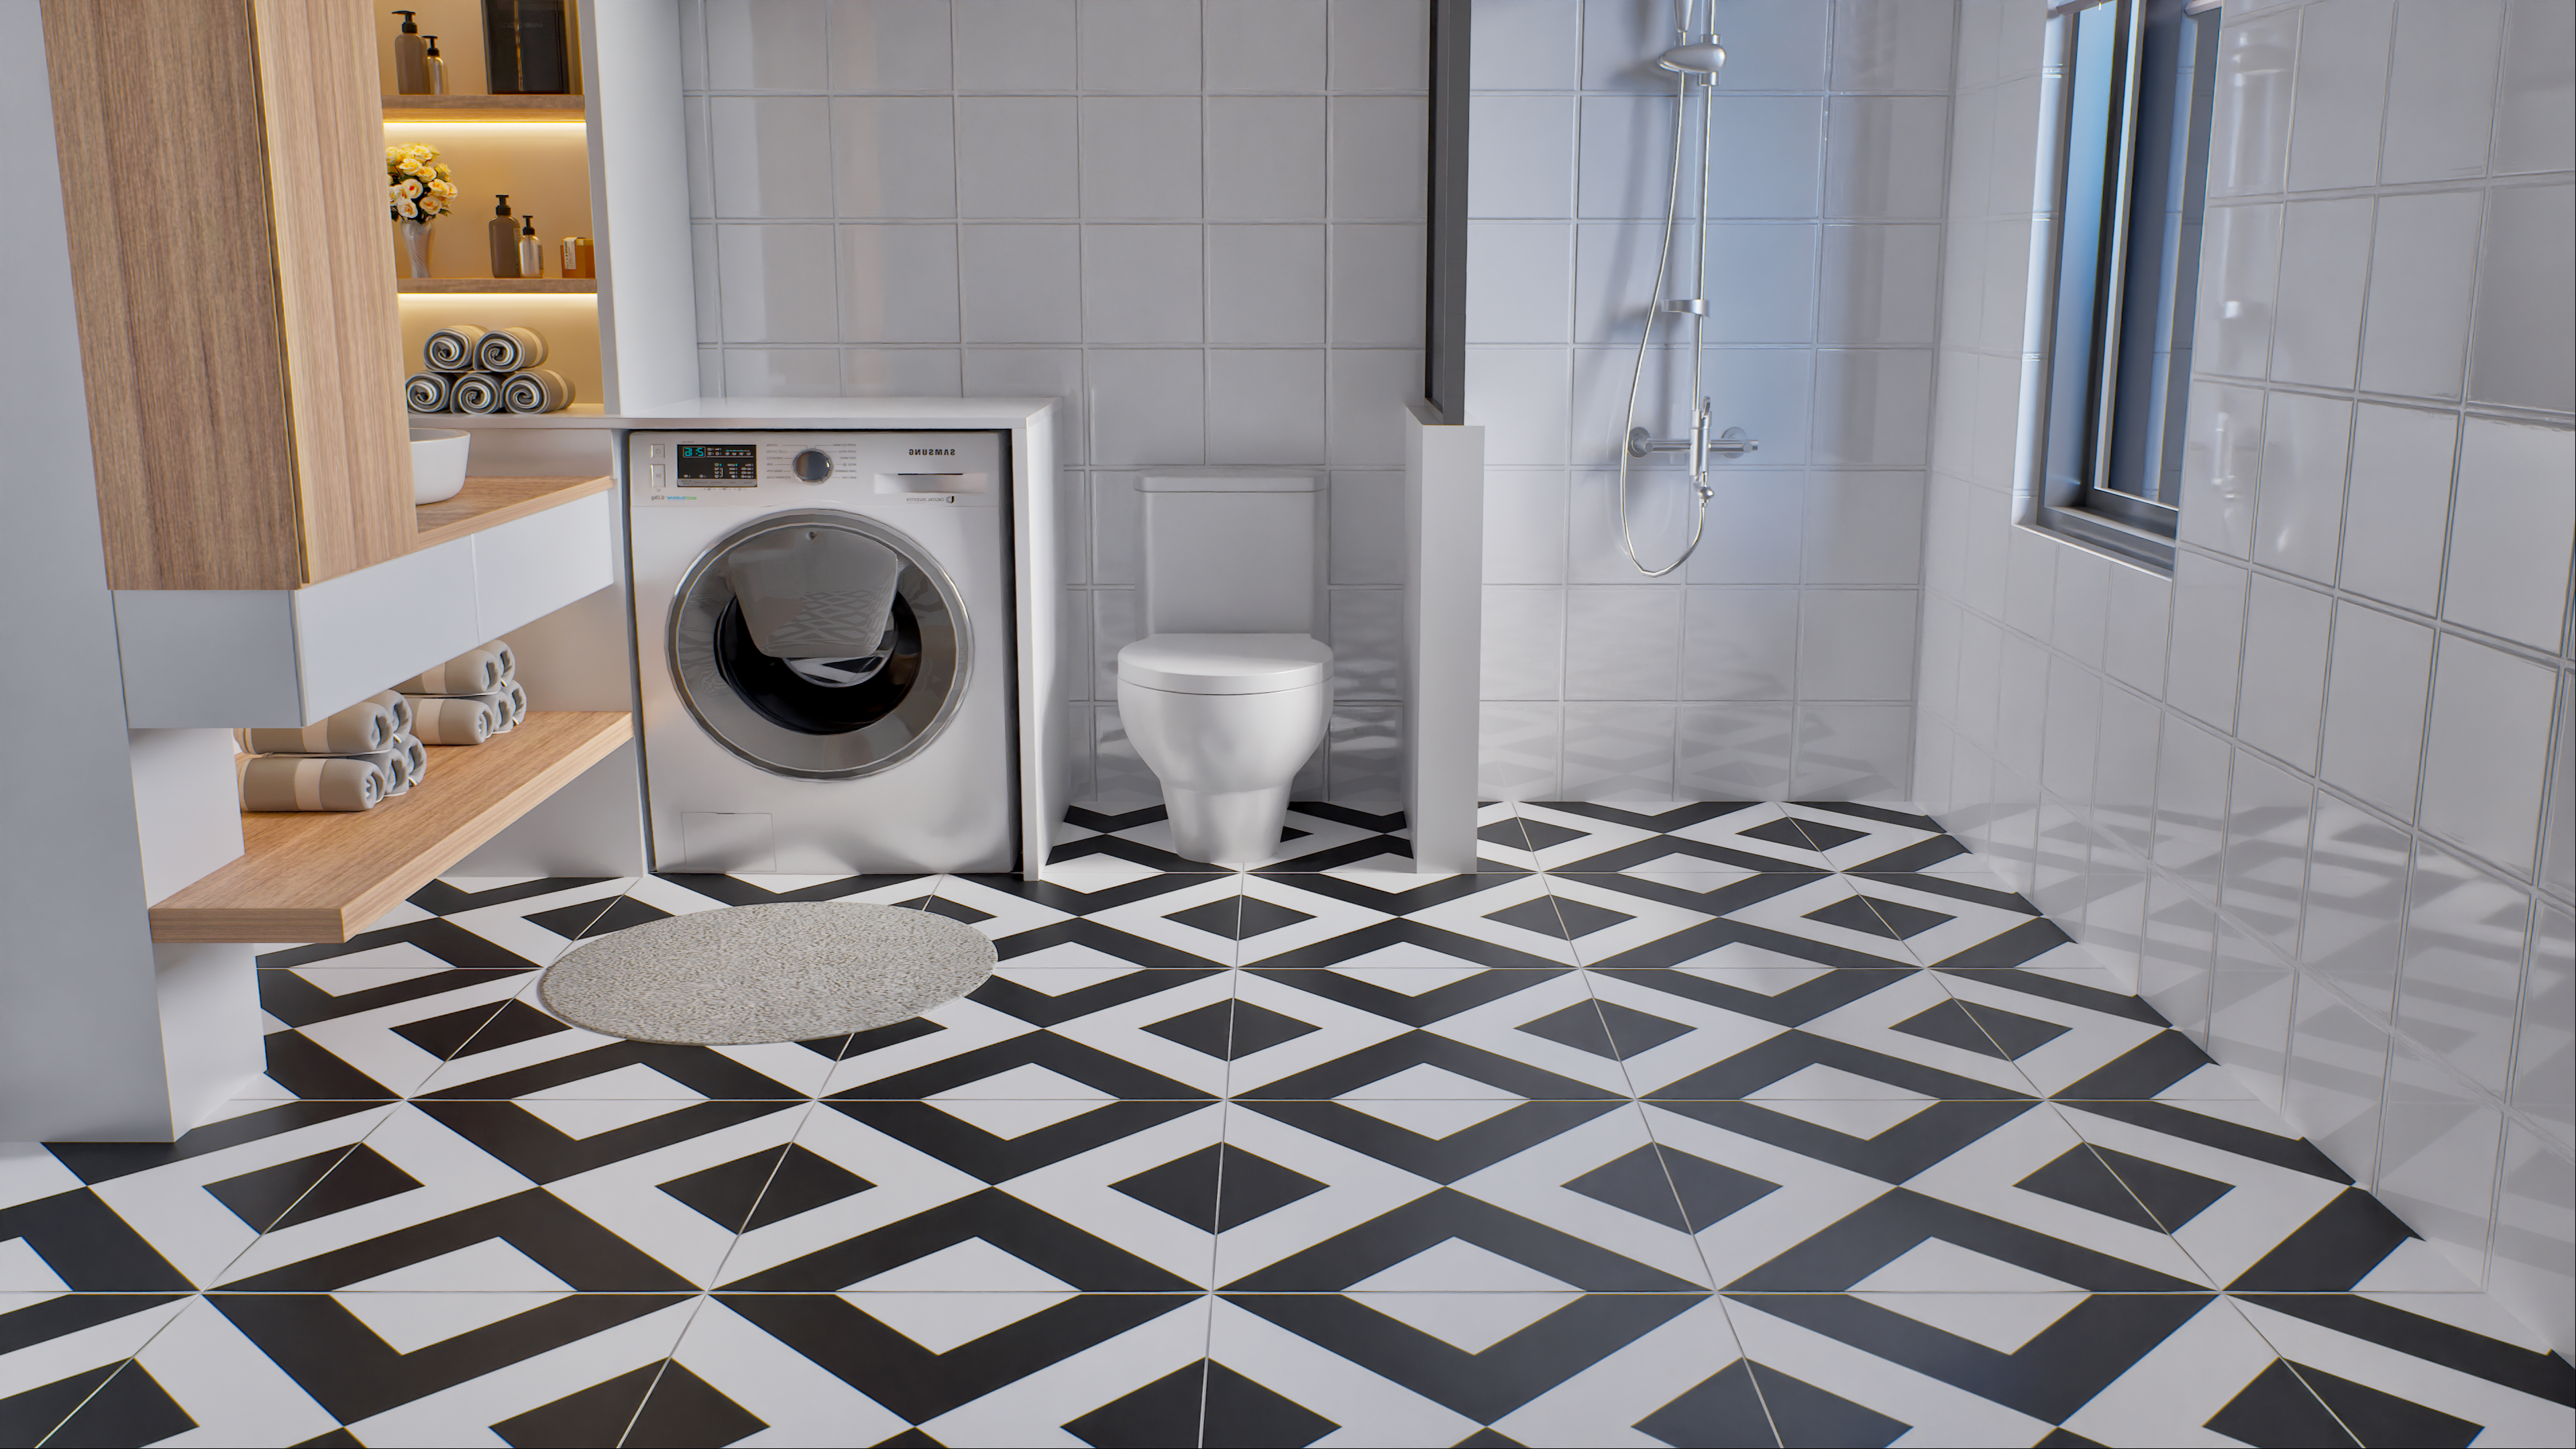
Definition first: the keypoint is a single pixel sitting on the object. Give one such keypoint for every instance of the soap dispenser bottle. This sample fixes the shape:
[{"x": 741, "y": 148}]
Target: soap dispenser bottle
[
  {"x": 411, "y": 58},
  {"x": 505, "y": 238},
  {"x": 532, "y": 249},
  {"x": 437, "y": 68}
]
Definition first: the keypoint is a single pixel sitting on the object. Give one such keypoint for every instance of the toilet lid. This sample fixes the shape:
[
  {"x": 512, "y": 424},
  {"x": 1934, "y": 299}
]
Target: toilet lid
[{"x": 1224, "y": 663}]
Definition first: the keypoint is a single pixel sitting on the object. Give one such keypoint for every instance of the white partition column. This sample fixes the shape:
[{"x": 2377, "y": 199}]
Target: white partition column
[{"x": 1444, "y": 531}]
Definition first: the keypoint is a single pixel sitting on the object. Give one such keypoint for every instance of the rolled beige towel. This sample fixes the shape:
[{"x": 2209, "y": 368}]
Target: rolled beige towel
[
  {"x": 451, "y": 349},
  {"x": 426, "y": 392},
  {"x": 393, "y": 770},
  {"x": 449, "y": 720},
  {"x": 308, "y": 782},
  {"x": 362, "y": 728},
  {"x": 536, "y": 390},
  {"x": 476, "y": 671},
  {"x": 416, "y": 753},
  {"x": 498, "y": 701},
  {"x": 512, "y": 697},
  {"x": 509, "y": 349},
  {"x": 399, "y": 706},
  {"x": 500, "y": 649},
  {"x": 476, "y": 392}
]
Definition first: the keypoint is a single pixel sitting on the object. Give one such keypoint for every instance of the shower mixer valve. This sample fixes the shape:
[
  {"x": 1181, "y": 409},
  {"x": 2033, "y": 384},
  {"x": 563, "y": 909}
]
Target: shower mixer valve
[{"x": 1733, "y": 443}]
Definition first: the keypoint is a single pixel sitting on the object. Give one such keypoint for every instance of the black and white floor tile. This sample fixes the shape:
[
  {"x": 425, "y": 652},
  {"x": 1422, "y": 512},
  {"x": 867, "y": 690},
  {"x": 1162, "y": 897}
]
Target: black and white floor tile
[{"x": 1684, "y": 1124}]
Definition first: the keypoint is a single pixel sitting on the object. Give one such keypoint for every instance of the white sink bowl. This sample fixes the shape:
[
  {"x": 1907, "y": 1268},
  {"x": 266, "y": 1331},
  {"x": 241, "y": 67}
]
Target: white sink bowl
[{"x": 438, "y": 463}]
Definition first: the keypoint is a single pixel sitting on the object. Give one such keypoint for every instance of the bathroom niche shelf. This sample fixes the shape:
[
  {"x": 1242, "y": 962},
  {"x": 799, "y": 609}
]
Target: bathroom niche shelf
[
  {"x": 486, "y": 108},
  {"x": 496, "y": 286},
  {"x": 487, "y": 502},
  {"x": 328, "y": 875}
]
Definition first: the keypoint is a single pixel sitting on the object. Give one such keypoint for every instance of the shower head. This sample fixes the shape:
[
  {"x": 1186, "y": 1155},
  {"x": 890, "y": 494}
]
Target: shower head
[{"x": 1699, "y": 57}]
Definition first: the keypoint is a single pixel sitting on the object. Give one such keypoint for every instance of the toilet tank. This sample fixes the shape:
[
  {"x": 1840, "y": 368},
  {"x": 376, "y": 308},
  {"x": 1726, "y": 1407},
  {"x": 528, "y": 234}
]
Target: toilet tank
[{"x": 1230, "y": 553}]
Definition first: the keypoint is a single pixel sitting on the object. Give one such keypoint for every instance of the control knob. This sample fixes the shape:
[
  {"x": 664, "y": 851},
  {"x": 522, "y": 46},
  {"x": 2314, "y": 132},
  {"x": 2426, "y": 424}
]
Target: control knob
[{"x": 812, "y": 465}]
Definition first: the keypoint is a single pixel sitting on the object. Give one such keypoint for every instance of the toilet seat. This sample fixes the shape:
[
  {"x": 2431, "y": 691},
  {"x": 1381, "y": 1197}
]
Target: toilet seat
[{"x": 1224, "y": 663}]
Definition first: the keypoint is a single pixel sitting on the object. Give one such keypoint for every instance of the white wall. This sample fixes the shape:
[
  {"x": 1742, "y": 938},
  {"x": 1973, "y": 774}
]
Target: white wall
[
  {"x": 1197, "y": 223},
  {"x": 1779, "y": 661},
  {"x": 2306, "y": 790}
]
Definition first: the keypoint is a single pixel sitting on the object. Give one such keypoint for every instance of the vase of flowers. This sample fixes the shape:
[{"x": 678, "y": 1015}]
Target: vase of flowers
[{"x": 418, "y": 190}]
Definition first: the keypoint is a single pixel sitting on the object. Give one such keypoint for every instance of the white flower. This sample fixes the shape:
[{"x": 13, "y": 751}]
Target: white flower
[
  {"x": 408, "y": 210},
  {"x": 410, "y": 189}
]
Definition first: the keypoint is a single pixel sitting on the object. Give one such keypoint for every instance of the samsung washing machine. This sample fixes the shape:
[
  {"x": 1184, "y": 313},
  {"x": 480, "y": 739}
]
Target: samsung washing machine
[{"x": 823, "y": 632}]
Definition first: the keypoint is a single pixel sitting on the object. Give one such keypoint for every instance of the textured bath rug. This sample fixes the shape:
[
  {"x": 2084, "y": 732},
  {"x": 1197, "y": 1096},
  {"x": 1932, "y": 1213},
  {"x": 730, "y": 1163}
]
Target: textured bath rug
[{"x": 748, "y": 974}]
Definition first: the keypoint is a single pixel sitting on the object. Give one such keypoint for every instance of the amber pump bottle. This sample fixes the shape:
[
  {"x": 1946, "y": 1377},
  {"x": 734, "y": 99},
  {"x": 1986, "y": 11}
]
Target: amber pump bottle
[
  {"x": 505, "y": 238},
  {"x": 411, "y": 58}
]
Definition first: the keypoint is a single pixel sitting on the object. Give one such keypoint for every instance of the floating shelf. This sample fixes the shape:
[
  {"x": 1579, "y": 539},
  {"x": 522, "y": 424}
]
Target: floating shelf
[
  {"x": 328, "y": 875},
  {"x": 486, "y": 502},
  {"x": 486, "y": 108},
  {"x": 568, "y": 286}
]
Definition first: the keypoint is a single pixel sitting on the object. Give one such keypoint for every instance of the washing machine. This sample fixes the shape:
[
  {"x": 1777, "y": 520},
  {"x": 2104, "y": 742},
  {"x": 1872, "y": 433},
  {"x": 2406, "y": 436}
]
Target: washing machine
[{"x": 824, "y": 653}]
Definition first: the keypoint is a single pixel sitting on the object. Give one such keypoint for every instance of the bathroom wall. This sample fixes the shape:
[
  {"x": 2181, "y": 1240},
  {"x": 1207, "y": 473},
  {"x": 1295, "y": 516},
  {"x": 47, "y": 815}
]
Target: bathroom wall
[
  {"x": 1198, "y": 223},
  {"x": 1780, "y": 660},
  {"x": 2315, "y": 790}
]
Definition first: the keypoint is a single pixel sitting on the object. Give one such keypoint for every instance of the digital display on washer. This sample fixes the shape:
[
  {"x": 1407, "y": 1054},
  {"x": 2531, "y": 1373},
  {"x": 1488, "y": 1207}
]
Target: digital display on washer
[{"x": 715, "y": 462}]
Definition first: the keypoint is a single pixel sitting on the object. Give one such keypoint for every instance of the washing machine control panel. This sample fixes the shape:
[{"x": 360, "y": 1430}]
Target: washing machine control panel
[{"x": 771, "y": 470}]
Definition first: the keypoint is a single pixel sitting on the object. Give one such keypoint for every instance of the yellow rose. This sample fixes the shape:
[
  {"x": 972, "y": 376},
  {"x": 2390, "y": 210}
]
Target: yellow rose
[{"x": 408, "y": 210}]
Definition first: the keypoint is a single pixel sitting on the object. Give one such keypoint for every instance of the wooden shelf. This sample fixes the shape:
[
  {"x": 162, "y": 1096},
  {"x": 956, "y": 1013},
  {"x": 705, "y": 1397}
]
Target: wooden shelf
[
  {"x": 329, "y": 875},
  {"x": 494, "y": 286},
  {"x": 489, "y": 501},
  {"x": 486, "y": 108}
]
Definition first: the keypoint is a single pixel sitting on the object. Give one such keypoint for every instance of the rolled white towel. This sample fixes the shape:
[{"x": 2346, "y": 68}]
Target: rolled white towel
[
  {"x": 451, "y": 349},
  {"x": 509, "y": 349},
  {"x": 476, "y": 671},
  {"x": 360, "y": 729},
  {"x": 427, "y": 392},
  {"x": 518, "y": 696},
  {"x": 308, "y": 782},
  {"x": 399, "y": 706},
  {"x": 449, "y": 720},
  {"x": 476, "y": 392},
  {"x": 536, "y": 390}
]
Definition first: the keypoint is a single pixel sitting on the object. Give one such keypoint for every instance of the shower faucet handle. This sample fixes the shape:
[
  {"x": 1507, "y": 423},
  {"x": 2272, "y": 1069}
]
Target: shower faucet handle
[{"x": 1733, "y": 443}]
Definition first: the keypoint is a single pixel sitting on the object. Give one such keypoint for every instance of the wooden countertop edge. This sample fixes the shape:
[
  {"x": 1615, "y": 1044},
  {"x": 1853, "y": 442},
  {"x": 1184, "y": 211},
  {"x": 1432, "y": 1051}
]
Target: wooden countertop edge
[{"x": 504, "y": 512}]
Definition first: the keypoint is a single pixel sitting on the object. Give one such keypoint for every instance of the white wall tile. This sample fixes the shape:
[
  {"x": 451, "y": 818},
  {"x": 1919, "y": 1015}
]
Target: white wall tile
[
  {"x": 1265, "y": 156},
  {"x": 2535, "y": 118},
  {"x": 2374, "y": 730},
  {"x": 771, "y": 45},
  {"x": 901, "y": 372},
  {"x": 1367, "y": 523},
  {"x": 1265, "y": 45},
  {"x": 782, "y": 372},
  {"x": 1523, "y": 162},
  {"x": 894, "y": 156},
  {"x": 2222, "y": 463},
  {"x": 1114, "y": 525},
  {"x": 1518, "y": 276},
  {"x": 2263, "y": 868},
  {"x": 1781, "y": 178},
  {"x": 1856, "y": 644},
  {"x": 2174, "y": 968},
  {"x": 1368, "y": 644},
  {"x": 1762, "y": 277},
  {"x": 1114, "y": 626},
  {"x": 2527, "y": 300},
  {"x": 1852, "y": 752},
  {"x": 2021, "y": 708},
  {"x": 1878, "y": 284},
  {"x": 1376, "y": 285},
  {"x": 2424, "y": 251},
  {"x": 1148, "y": 407},
  {"x": 2399, "y": 505},
  {"x": 2325, "y": 260},
  {"x": 1266, "y": 284},
  {"x": 1140, "y": 156},
  {"x": 2533, "y": 1268},
  {"x": 2441, "y": 90},
  {"x": 1015, "y": 45},
  {"x": 1740, "y": 644},
  {"x": 2544, "y": 1060},
  {"x": 1120, "y": 779},
  {"x": 1890, "y": 45},
  {"x": 1140, "y": 284},
  {"x": 2074, "y": 730},
  {"x": 2249, "y": 138},
  {"x": 2462, "y": 975},
  {"x": 2487, "y": 742},
  {"x": 2124, "y": 769},
  {"x": 1619, "y": 751},
  {"x": 772, "y": 156},
  {"x": 1380, "y": 45},
  {"x": 1367, "y": 747},
  {"x": 2208, "y": 622},
  {"x": 1661, "y": 511},
  {"x": 1873, "y": 407},
  {"x": 1015, "y": 155},
  {"x": 1524, "y": 644},
  {"x": 1863, "y": 528},
  {"x": 1020, "y": 283},
  {"x": 1365, "y": 394},
  {"x": 2030, "y": 585},
  {"x": 2133, "y": 650},
  {"x": 1377, "y": 160},
  {"x": 1139, "y": 45},
  {"x": 1735, "y": 751},
  {"x": 1883, "y": 155},
  {"x": 2356, "y": 909},
  {"x": 898, "y": 283},
  {"x": 2342, "y": 76},
  {"x": 2438, "y": 1160},
  {"x": 1524, "y": 526},
  {"x": 2300, "y": 510},
  {"x": 1622, "y": 644},
  {"x": 772, "y": 278},
  {"x": 2249, "y": 1015},
  {"x": 890, "y": 45},
  {"x": 1265, "y": 406},
  {"x": 2510, "y": 529},
  {"x": 1034, "y": 372},
  {"x": 2558, "y": 835},
  {"x": 2239, "y": 272},
  {"x": 2191, "y": 804},
  {"x": 1620, "y": 43},
  {"x": 2078, "y": 620},
  {"x": 2283, "y": 690},
  {"x": 1519, "y": 749},
  {"x": 1520, "y": 395},
  {"x": 1527, "y": 45}
]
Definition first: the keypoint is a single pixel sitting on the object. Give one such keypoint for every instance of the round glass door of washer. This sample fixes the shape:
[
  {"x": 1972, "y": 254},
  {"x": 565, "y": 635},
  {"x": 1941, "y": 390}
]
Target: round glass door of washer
[{"x": 820, "y": 644}]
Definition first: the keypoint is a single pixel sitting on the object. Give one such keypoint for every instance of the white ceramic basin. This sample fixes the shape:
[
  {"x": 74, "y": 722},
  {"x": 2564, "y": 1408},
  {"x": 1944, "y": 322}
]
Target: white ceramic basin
[{"x": 438, "y": 463}]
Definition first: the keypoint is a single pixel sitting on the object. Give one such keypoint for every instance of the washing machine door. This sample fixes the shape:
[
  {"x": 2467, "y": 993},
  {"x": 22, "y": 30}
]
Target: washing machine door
[{"x": 820, "y": 644}]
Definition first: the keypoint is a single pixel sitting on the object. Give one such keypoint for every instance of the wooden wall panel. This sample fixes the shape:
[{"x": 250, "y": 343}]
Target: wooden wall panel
[
  {"x": 337, "y": 307},
  {"x": 157, "y": 122}
]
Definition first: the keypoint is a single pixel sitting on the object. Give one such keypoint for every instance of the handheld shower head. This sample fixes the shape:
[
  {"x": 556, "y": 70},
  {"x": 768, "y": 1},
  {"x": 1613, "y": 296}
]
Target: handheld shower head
[{"x": 1699, "y": 57}]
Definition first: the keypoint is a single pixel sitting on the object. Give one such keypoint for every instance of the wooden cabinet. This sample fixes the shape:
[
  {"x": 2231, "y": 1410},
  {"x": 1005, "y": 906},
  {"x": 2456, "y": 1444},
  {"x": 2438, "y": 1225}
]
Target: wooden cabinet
[{"x": 223, "y": 185}]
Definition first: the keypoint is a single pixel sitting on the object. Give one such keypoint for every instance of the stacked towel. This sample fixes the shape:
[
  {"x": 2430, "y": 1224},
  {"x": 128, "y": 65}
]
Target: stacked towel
[
  {"x": 308, "y": 782},
  {"x": 349, "y": 761},
  {"x": 486, "y": 370},
  {"x": 468, "y": 699}
]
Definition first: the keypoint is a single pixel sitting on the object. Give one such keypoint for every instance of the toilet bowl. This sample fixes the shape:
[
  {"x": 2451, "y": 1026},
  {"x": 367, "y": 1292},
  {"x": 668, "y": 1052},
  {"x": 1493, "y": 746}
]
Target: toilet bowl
[{"x": 1225, "y": 721}]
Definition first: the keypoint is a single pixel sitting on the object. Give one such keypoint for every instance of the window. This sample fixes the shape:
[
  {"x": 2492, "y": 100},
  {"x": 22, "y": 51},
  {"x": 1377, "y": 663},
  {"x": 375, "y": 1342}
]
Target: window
[{"x": 2132, "y": 166}]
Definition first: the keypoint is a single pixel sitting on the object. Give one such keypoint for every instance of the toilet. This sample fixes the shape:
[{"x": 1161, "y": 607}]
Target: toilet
[{"x": 1229, "y": 692}]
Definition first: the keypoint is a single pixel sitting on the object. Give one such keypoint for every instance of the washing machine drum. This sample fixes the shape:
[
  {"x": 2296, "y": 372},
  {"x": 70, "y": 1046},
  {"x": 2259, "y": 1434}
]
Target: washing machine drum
[{"x": 819, "y": 644}]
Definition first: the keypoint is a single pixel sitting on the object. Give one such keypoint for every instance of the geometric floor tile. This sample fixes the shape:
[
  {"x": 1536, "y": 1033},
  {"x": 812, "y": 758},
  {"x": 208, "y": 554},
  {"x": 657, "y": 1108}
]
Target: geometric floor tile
[{"x": 1676, "y": 1122}]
